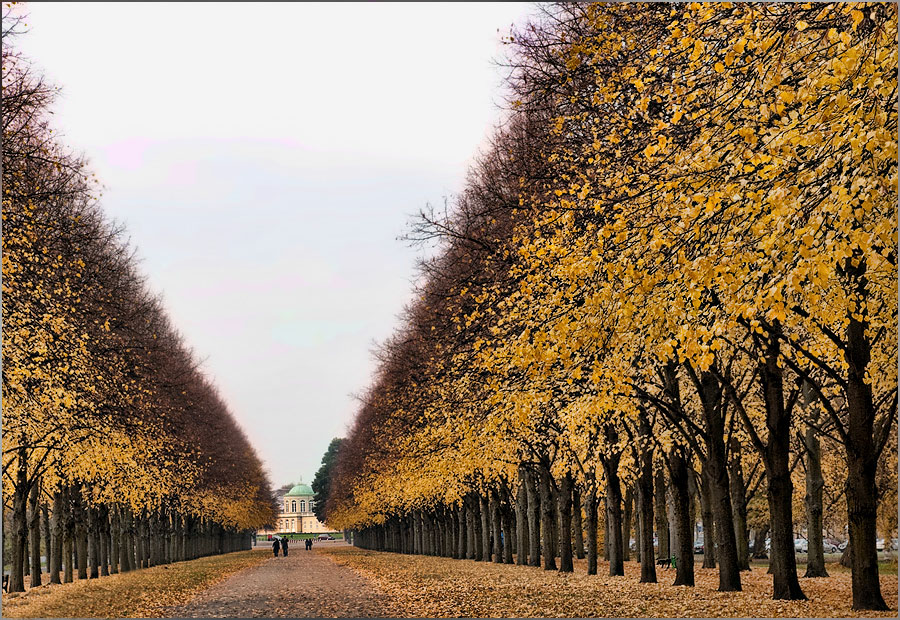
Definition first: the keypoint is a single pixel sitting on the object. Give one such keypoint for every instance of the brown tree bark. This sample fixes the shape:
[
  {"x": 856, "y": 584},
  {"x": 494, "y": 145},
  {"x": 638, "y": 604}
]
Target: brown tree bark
[
  {"x": 716, "y": 473},
  {"x": 589, "y": 504},
  {"x": 115, "y": 540},
  {"x": 626, "y": 523},
  {"x": 34, "y": 531},
  {"x": 776, "y": 454},
  {"x": 472, "y": 546},
  {"x": 646, "y": 498},
  {"x": 496, "y": 527},
  {"x": 45, "y": 532},
  {"x": 509, "y": 533},
  {"x": 462, "y": 531},
  {"x": 19, "y": 525},
  {"x": 547, "y": 518},
  {"x": 739, "y": 504},
  {"x": 485, "y": 511},
  {"x": 522, "y": 518},
  {"x": 661, "y": 514},
  {"x": 684, "y": 552},
  {"x": 614, "y": 506},
  {"x": 577, "y": 525},
  {"x": 534, "y": 527},
  {"x": 759, "y": 543},
  {"x": 862, "y": 453},
  {"x": 815, "y": 485},
  {"x": 57, "y": 521},
  {"x": 564, "y": 503},
  {"x": 93, "y": 535}
]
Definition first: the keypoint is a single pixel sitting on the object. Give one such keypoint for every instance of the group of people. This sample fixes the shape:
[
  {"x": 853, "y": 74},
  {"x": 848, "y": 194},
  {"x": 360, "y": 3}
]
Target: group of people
[{"x": 283, "y": 545}]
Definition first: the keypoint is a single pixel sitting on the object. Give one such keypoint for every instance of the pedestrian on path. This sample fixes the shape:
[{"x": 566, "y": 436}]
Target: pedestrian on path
[
  {"x": 283, "y": 547},
  {"x": 275, "y": 546}
]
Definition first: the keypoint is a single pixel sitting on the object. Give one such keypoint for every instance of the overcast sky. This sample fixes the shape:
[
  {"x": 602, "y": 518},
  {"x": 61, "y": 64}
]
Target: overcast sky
[{"x": 264, "y": 159}]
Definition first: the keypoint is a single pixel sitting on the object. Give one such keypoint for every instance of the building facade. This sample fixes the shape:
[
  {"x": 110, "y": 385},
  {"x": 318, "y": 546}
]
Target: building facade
[{"x": 296, "y": 514}]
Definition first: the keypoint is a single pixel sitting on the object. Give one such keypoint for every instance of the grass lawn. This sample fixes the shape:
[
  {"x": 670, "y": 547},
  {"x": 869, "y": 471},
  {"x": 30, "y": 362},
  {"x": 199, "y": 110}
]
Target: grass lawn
[
  {"x": 426, "y": 586},
  {"x": 144, "y": 593}
]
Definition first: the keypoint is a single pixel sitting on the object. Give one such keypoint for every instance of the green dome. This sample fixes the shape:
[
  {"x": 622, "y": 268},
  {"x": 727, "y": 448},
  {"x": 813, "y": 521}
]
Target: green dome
[{"x": 300, "y": 489}]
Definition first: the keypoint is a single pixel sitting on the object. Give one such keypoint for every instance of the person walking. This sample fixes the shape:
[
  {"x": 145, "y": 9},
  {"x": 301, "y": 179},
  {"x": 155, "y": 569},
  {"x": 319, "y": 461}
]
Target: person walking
[
  {"x": 275, "y": 545},
  {"x": 284, "y": 543}
]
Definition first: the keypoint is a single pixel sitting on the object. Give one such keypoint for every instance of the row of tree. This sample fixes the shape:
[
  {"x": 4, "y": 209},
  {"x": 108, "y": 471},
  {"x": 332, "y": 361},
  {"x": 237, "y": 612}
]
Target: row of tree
[
  {"x": 679, "y": 255},
  {"x": 112, "y": 436}
]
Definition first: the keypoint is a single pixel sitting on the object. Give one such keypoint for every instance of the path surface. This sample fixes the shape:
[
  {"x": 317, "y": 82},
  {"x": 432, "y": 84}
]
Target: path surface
[{"x": 305, "y": 584}]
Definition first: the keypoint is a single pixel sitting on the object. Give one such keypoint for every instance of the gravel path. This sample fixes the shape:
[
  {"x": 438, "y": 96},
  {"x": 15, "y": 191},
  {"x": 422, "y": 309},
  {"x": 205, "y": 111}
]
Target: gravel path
[{"x": 305, "y": 584}]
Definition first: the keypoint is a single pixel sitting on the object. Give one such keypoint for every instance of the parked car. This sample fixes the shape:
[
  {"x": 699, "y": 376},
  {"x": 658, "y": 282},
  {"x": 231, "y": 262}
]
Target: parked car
[
  {"x": 326, "y": 537},
  {"x": 801, "y": 545},
  {"x": 879, "y": 544},
  {"x": 833, "y": 545}
]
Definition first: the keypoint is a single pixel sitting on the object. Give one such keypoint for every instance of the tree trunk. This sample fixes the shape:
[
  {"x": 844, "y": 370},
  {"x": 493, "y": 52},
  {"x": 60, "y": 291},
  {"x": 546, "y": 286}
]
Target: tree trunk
[
  {"x": 34, "y": 530},
  {"x": 534, "y": 527},
  {"x": 626, "y": 523},
  {"x": 103, "y": 517},
  {"x": 661, "y": 515},
  {"x": 739, "y": 505},
  {"x": 509, "y": 535},
  {"x": 45, "y": 532},
  {"x": 636, "y": 520},
  {"x": 485, "y": 509},
  {"x": 590, "y": 515},
  {"x": 461, "y": 531},
  {"x": 684, "y": 552},
  {"x": 606, "y": 534},
  {"x": 81, "y": 535},
  {"x": 115, "y": 540},
  {"x": 780, "y": 488},
  {"x": 614, "y": 508},
  {"x": 759, "y": 543},
  {"x": 479, "y": 529},
  {"x": 815, "y": 485},
  {"x": 19, "y": 525},
  {"x": 124, "y": 552},
  {"x": 577, "y": 525},
  {"x": 69, "y": 535},
  {"x": 547, "y": 518},
  {"x": 93, "y": 542},
  {"x": 522, "y": 519},
  {"x": 57, "y": 521},
  {"x": 496, "y": 529},
  {"x": 472, "y": 548},
  {"x": 713, "y": 406},
  {"x": 564, "y": 502},
  {"x": 862, "y": 453},
  {"x": 706, "y": 516},
  {"x": 554, "y": 522},
  {"x": 646, "y": 495}
]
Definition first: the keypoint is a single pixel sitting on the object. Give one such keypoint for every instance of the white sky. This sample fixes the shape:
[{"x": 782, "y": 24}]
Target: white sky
[{"x": 264, "y": 159}]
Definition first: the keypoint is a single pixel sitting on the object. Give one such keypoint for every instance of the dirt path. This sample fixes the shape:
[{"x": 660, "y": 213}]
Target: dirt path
[{"x": 305, "y": 584}]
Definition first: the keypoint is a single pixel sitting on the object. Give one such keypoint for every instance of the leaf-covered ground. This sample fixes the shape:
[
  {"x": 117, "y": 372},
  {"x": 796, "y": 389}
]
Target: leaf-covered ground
[
  {"x": 145, "y": 593},
  {"x": 440, "y": 587}
]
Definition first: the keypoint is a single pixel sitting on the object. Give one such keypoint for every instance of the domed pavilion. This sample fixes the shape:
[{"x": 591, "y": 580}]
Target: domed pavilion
[{"x": 296, "y": 514}]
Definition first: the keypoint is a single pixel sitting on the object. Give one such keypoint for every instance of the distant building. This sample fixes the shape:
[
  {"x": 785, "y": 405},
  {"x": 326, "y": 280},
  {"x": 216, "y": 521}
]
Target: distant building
[{"x": 296, "y": 514}]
